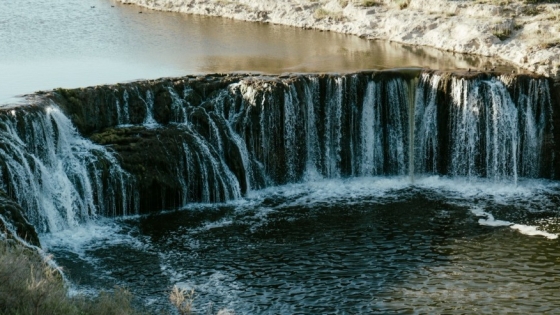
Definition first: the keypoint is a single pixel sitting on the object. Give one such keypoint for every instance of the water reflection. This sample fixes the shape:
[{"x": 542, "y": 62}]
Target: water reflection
[{"x": 65, "y": 43}]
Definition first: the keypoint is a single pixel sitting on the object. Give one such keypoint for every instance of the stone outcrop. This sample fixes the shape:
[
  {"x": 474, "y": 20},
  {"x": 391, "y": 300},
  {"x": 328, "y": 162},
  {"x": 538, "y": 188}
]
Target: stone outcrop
[
  {"x": 13, "y": 221},
  {"x": 527, "y": 35}
]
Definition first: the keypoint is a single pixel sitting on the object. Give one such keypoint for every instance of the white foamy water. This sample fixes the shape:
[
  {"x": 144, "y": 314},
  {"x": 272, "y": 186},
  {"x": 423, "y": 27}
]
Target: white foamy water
[
  {"x": 489, "y": 220},
  {"x": 533, "y": 231},
  {"x": 101, "y": 233}
]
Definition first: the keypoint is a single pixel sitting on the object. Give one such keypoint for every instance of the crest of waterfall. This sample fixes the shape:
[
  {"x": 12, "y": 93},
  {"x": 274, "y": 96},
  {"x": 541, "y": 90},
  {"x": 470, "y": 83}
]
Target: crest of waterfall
[{"x": 58, "y": 177}]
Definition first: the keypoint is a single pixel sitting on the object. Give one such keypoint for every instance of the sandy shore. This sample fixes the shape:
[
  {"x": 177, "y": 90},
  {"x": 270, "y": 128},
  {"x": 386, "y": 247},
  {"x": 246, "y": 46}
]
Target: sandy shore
[{"x": 526, "y": 35}]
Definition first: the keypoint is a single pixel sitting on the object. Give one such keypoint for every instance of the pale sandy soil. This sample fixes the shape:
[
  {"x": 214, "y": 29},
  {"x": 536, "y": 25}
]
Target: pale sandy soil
[{"x": 527, "y": 35}]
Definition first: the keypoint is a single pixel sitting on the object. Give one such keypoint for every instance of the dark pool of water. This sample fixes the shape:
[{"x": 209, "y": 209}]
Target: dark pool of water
[{"x": 360, "y": 246}]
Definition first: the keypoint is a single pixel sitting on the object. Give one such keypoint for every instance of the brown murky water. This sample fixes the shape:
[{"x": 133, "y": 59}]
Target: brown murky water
[{"x": 67, "y": 43}]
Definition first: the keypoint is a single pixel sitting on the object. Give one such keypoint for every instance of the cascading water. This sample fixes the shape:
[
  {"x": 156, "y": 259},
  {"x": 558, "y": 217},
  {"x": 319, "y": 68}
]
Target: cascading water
[
  {"x": 58, "y": 177},
  {"x": 333, "y": 127},
  {"x": 235, "y": 134},
  {"x": 426, "y": 124},
  {"x": 372, "y": 155},
  {"x": 479, "y": 129}
]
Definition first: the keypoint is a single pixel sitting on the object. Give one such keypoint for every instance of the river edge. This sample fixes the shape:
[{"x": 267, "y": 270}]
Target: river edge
[{"x": 526, "y": 35}]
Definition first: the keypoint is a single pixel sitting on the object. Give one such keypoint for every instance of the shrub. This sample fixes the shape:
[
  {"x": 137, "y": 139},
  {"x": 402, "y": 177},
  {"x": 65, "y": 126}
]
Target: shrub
[
  {"x": 369, "y": 3},
  {"x": 321, "y": 13},
  {"x": 182, "y": 300},
  {"x": 32, "y": 285}
]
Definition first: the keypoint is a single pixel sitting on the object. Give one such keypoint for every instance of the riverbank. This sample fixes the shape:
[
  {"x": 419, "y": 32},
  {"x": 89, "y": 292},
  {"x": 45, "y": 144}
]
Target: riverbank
[{"x": 526, "y": 35}]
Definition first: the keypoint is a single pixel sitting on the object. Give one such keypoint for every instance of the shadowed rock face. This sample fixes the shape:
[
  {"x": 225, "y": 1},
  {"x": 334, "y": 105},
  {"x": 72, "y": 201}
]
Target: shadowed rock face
[{"x": 13, "y": 215}]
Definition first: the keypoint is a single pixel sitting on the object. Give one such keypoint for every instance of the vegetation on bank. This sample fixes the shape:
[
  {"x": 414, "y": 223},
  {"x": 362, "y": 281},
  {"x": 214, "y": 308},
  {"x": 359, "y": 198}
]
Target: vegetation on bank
[{"x": 31, "y": 285}]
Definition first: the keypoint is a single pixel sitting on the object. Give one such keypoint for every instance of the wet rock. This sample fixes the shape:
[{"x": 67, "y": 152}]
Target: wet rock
[{"x": 12, "y": 214}]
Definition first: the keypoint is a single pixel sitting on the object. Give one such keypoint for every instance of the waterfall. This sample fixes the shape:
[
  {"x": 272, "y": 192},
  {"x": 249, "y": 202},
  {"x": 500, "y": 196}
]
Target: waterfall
[
  {"x": 332, "y": 128},
  {"x": 372, "y": 158},
  {"x": 484, "y": 130},
  {"x": 219, "y": 137},
  {"x": 426, "y": 138},
  {"x": 148, "y": 101},
  {"x": 397, "y": 127},
  {"x": 311, "y": 90},
  {"x": 60, "y": 178},
  {"x": 535, "y": 123},
  {"x": 291, "y": 108}
]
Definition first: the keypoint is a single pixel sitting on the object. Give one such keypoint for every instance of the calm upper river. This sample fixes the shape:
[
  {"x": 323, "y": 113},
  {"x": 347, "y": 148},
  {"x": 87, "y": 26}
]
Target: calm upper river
[{"x": 45, "y": 44}]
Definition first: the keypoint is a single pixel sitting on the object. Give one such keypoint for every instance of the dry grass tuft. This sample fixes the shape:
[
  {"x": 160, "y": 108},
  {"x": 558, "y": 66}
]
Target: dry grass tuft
[
  {"x": 182, "y": 300},
  {"x": 321, "y": 14},
  {"x": 30, "y": 285}
]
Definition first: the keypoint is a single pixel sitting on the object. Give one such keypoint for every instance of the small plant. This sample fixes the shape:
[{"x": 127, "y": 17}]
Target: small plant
[
  {"x": 32, "y": 285},
  {"x": 402, "y": 4},
  {"x": 343, "y": 3},
  {"x": 532, "y": 10},
  {"x": 501, "y": 34},
  {"x": 321, "y": 14},
  {"x": 550, "y": 44},
  {"x": 369, "y": 3},
  {"x": 503, "y": 29},
  {"x": 182, "y": 300}
]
